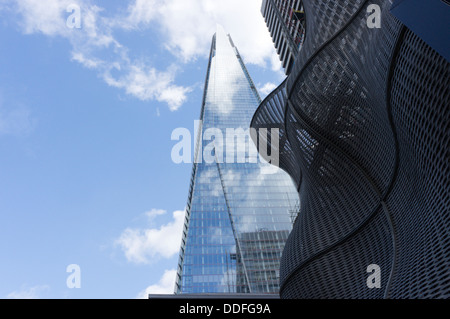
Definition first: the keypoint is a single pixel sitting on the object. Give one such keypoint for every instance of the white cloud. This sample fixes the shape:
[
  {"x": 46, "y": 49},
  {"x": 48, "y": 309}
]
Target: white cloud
[
  {"x": 16, "y": 120},
  {"x": 154, "y": 212},
  {"x": 28, "y": 292},
  {"x": 188, "y": 26},
  {"x": 90, "y": 63},
  {"x": 49, "y": 17},
  {"x": 92, "y": 40},
  {"x": 45, "y": 16},
  {"x": 147, "y": 83},
  {"x": 186, "y": 29},
  {"x": 266, "y": 89},
  {"x": 146, "y": 245},
  {"x": 140, "y": 12},
  {"x": 165, "y": 285}
]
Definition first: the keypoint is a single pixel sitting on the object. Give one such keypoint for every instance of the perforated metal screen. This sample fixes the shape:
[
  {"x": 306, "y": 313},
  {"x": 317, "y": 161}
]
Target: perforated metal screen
[{"x": 364, "y": 118}]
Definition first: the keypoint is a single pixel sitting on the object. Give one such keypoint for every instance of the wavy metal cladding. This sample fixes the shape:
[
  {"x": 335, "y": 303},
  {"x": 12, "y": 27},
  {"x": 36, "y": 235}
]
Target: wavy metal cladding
[{"x": 365, "y": 136}]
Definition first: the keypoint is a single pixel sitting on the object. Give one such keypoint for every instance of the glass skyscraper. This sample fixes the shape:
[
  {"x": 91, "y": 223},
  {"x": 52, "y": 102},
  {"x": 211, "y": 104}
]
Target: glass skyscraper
[{"x": 238, "y": 214}]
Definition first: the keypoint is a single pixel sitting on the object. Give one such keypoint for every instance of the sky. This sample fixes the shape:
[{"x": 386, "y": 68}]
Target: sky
[{"x": 91, "y": 203}]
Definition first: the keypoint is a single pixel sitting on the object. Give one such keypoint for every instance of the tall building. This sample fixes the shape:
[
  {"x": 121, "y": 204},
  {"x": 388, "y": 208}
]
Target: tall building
[
  {"x": 286, "y": 23},
  {"x": 238, "y": 209},
  {"x": 365, "y": 112}
]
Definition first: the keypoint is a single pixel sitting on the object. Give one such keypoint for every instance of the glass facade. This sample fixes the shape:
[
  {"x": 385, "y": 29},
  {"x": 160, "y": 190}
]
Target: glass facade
[{"x": 239, "y": 208}]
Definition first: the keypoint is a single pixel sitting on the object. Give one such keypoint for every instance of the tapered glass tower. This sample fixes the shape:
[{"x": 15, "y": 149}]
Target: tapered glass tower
[{"x": 239, "y": 209}]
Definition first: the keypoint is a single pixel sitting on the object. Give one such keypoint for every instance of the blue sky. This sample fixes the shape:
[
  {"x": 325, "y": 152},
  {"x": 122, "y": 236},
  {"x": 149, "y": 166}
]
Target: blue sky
[{"x": 86, "y": 116}]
